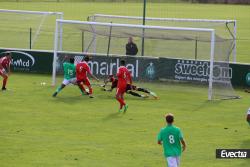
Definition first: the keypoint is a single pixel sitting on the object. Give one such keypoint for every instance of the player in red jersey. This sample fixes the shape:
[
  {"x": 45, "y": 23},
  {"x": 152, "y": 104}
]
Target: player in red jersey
[
  {"x": 82, "y": 71},
  {"x": 5, "y": 68},
  {"x": 124, "y": 78}
]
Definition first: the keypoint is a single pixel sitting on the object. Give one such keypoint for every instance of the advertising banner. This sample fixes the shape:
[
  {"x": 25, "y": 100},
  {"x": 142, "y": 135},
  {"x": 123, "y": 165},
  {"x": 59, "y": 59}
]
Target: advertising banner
[
  {"x": 30, "y": 61},
  {"x": 193, "y": 70},
  {"x": 142, "y": 68}
]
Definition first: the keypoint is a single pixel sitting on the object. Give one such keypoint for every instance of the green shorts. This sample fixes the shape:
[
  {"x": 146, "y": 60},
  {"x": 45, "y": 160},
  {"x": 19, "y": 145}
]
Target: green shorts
[{"x": 248, "y": 122}]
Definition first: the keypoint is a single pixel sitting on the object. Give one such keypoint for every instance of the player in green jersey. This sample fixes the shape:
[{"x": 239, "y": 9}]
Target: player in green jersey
[
  {"x": 69, "y": 75},
  {"x": 171, "y": 137}
]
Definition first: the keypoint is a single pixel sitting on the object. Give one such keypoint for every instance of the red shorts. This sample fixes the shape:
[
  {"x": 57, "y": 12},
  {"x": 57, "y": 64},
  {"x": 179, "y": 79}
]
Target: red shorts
[
  {"x": 121, "y": 89},
  {"x": 3, "y": 71},
  {"x": 85, "y": 81}
]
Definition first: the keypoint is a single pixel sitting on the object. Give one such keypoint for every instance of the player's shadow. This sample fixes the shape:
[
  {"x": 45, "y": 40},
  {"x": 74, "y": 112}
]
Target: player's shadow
[
  {"x": 141, "y": 99},
  {"x": 112, "y": 116},
  {"x": 67, "y": 99}
]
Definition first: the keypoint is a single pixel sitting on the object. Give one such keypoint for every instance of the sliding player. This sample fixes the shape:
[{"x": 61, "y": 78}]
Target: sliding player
[
  {"x": 124, "y": 77},
  {"x": 5, "y": 68},
  {"x": 82, "y": 71},
  {"x": 69, "y": 70},
  {"x": 129, "y": 88}
]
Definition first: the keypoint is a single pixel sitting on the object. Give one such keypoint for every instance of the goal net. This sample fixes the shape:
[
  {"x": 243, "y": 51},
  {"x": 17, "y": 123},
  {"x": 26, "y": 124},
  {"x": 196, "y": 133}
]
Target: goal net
[
  {"x": 224, "y": 28},
  {"x": 209, "y": 60},
  {"x": 28, "y": 29}
]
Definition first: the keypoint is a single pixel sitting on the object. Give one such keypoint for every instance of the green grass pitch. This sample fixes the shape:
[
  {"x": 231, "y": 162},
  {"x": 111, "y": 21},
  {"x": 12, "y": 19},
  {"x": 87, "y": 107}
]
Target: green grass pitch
[{"x": 73, "y": 130}]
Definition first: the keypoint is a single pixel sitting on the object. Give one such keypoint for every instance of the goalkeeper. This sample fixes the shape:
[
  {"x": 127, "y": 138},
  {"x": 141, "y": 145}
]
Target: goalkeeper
[
  {"x": 129, "y": 88},
  {"x": 69, "y": 70}
]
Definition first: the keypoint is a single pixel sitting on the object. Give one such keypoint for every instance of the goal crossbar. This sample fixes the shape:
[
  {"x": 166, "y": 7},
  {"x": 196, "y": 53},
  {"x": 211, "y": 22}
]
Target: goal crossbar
[
  {"x": 31, "y": 12},
  {"x": 134, "y": 26},
  {"x": 164, "y": 19}
]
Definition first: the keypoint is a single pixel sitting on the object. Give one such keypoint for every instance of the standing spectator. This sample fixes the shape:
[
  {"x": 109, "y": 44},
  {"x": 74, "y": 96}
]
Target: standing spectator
[
  {"x": 131, "y": 48},
  {"x": 171, "y": 138}
]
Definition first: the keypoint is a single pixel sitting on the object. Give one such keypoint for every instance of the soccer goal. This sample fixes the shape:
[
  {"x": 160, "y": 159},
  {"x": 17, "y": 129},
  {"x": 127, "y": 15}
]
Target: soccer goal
[
  {"x": 226, "y": 29},
  {"x": 28, "y": 29},
  {"x": 174, "y": 42}
]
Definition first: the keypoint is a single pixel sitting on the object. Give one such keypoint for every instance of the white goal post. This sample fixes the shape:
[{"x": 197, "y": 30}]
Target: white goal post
[
  {"x": 58, "y": 15},
  {"x": 161, "y": 21},
  {"x": 81, "y": 24},
  {"x": 32, "y": 12}
]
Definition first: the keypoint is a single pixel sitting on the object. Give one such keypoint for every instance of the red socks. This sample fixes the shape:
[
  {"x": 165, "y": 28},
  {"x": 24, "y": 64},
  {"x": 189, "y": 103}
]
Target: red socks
[
  {"x": 121, "y": 101},
  {"x": 5, "y": 82},
  {"x": 90, "y": 90}
]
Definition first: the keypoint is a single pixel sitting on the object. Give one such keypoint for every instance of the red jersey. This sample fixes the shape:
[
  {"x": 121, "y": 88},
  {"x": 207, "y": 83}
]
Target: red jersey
[
  {"x": 123, "y": 76},
  {"x": 82, "y": 69},
  {"x": 5, "y": 62}
]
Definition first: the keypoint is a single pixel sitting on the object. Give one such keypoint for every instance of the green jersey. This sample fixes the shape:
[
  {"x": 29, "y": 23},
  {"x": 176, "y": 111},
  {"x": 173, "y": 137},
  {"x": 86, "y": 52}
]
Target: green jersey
[
  {"x": 69, "y": 70},
  {"x": 170, "y": 136}
]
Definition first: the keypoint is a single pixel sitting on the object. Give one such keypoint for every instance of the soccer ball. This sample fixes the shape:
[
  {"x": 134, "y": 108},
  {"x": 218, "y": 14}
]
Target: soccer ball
[
  {"x": 87, "y": 90},
  {"x": 43, "y": 83}
]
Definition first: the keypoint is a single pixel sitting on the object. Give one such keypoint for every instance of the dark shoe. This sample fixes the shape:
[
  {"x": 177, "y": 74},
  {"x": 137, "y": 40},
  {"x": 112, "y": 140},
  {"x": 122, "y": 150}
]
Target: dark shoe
[{"x": 54, "y": 95}]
